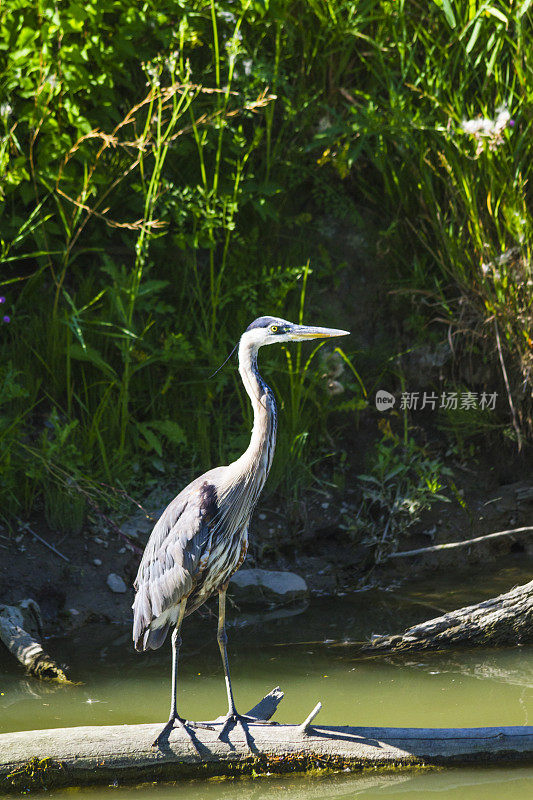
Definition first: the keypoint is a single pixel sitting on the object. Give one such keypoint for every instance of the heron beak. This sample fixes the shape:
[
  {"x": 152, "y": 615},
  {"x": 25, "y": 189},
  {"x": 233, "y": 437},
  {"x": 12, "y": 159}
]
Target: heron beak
[{"x": 312, "y": 332}]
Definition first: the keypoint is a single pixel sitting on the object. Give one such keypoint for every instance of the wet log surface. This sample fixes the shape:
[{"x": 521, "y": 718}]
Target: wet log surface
[
  {"x": 122, "y": 754},
  {"x": 500, "y": 621},
  {"x": 20, "y": 627}
]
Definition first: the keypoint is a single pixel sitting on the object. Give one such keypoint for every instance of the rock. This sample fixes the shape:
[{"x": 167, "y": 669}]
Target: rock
[
  {"x": 139, "y": 527},
  {"x": 260, "y": 586},
  {"x": 116, "y": 583},
  {"x": 97, "y": 562},
  {"x": 101, "y": 542}
]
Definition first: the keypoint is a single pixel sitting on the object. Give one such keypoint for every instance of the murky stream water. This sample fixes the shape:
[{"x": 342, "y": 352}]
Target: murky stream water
[{"x": 313, "y": 656}]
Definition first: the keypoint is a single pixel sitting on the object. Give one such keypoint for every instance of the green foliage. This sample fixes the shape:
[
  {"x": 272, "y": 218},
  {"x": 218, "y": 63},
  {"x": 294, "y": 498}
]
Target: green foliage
[
  {"x": 57, "y": 453},
  {"x": 310, "y": 392},
  {"x": 403, "y": 481},
  {"x": 12, "y": 396},
  {"x": 166, "y": 166},
  {"x": 466, "y": 427},
  {"x": 438, "y": 134},
  {"x": 140, "y": 162}
]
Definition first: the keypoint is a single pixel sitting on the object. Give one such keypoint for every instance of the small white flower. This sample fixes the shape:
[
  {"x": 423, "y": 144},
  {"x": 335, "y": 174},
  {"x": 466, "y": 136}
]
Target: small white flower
[
  {"x": 247, "y": 66},
  {"x": 5, "y": 110},
  {"x": 488, "y": 127},
  {"x": 172, "y": 61},
  {"x": 232, "y": 47},
  {"x": 335, "y": 387},
  {"x": 152, "y": 72},
  {"x": 503, "y": 118},
  {"x": 227, "y": 16},
  {"x": 490, "y": 130},
  {"x": 477, "y": 126}
]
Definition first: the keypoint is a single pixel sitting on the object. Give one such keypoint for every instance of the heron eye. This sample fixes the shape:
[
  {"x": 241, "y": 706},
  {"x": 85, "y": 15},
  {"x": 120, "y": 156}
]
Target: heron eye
[{"x": 273, "y": 328}]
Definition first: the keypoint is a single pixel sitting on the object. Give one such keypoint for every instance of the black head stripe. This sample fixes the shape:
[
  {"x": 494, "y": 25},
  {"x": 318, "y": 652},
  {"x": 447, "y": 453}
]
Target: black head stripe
[{"x": 265, "y": 322}]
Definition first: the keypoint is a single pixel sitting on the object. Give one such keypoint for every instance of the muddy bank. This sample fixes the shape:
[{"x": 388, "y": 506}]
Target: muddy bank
[{"x": 72, "y": 583}]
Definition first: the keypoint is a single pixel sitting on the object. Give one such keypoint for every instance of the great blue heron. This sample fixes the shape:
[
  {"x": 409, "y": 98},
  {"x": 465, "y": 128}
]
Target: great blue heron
[{"x": 202, "y": 536}]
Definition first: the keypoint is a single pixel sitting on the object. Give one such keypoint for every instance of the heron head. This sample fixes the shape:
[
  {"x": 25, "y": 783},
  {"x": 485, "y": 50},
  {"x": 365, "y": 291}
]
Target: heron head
[{"x": 273, "y": 330}]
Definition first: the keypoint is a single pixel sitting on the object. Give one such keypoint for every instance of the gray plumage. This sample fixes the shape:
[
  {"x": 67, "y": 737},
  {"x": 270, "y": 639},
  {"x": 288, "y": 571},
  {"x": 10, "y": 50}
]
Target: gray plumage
[{"x": 202, "y": 536}]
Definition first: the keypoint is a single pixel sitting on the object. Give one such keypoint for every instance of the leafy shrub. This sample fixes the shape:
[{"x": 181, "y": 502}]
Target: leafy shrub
[
  {"x": 166, "y": 167},
  {"x": 403, "y": 481}
]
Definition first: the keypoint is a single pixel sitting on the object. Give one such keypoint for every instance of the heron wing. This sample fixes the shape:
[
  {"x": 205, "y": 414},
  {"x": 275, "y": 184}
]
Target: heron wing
[{"x": 176, "y": 554}]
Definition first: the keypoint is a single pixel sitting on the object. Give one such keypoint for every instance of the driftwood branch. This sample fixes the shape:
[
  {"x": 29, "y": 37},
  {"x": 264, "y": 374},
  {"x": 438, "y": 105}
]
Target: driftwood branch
[
  {"x": 463, "y": 543},
  {"x": 503, "y": 620},
  {"x": 20, "y": 627},
  {"x": 33, "y": 760},
  {"x": 24, "y": 526}
]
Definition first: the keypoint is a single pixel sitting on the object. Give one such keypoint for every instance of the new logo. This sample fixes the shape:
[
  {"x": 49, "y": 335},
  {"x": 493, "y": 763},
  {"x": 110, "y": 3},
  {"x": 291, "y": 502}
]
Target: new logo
[{"x": 384, "y": 400}]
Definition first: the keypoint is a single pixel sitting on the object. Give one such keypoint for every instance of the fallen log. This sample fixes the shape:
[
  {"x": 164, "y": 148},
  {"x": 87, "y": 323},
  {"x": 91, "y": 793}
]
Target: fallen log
[
  {"x": 20, "y": 627},
  {"x": 501, "y": 621},
  {"x": 122, "y": 754}
]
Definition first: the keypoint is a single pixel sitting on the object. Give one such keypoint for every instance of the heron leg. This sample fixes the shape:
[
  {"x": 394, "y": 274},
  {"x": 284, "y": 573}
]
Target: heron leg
[
  {"x": 174, "y": 719},
  {"x": 232, "y": 718},
  {"x": 176, "y": 644},
  {"x": 222, "y": 642}
]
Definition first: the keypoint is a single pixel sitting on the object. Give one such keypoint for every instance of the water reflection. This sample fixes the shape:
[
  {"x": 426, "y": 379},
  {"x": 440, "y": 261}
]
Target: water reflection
[
  {"x": 450, "y": 784},
  {"x": 313, "y": 655}
]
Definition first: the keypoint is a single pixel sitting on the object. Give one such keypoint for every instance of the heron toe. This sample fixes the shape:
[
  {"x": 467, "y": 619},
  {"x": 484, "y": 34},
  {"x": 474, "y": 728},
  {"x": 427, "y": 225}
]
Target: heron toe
[
  {"x": 233, "y": 718},
  {"x": 185, "y": 725}
]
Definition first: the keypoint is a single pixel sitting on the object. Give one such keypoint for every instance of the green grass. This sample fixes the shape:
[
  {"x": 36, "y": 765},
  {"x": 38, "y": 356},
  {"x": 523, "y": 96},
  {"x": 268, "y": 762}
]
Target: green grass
[
  {"x": 457, "y": 204},
  {"x": 163, "y": 173},
  {"x": 403, "y": 480}
]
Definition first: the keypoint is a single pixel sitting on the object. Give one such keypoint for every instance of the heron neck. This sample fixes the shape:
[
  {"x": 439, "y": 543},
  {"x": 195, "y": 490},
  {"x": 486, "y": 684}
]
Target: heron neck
[{"x": 259, "y": 454}]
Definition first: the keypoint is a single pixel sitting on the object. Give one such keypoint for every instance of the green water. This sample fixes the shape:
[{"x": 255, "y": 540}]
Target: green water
[{"x": 313, "y": 656}]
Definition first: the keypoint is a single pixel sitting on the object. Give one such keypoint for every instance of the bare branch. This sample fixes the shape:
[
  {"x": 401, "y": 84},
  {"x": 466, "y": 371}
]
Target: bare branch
[
  {"x": 465, "y": 543},
  {"x": 507, "y": 387}
]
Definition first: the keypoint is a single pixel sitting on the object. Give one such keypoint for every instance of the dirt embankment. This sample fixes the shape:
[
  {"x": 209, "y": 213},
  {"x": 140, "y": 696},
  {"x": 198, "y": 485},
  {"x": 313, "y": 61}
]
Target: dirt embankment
[{"x": 88, "y": 577}]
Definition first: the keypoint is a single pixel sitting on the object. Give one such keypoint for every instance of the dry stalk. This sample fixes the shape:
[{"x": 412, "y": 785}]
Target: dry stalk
[
  {"x": 141, "y": 145},
  {"x": 507, "y": 387}
]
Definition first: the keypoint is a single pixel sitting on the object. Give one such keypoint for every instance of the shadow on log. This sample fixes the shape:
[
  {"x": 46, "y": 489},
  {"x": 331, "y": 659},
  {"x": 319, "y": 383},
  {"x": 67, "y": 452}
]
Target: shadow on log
[
  {"x": 34, "y": 760},
  {"x": 503, "y": 620}
]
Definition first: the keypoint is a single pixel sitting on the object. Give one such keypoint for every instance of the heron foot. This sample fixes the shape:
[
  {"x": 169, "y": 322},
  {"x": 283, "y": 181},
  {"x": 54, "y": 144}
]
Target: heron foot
[
  {"x": 185, "y": 725},
  {"x": 232, "y": 719}
]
